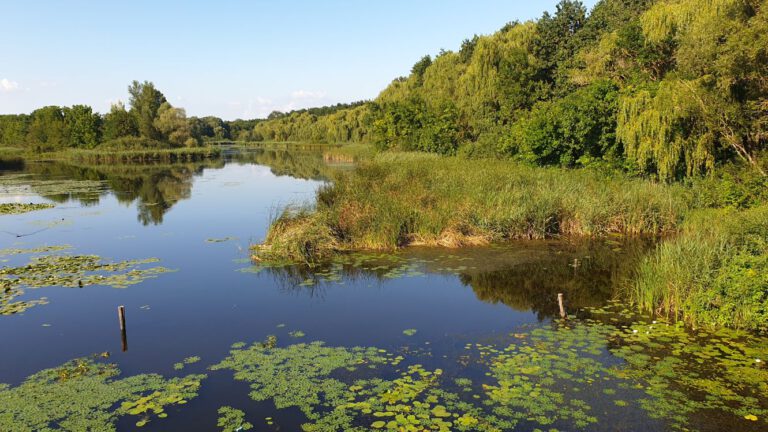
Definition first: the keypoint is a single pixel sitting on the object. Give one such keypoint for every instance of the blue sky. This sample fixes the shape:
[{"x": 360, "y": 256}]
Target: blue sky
[{"x": 233, "y": 59}]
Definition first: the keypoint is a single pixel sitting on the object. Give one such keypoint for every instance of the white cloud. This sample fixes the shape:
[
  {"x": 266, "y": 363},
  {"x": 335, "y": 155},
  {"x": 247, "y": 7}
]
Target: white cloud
[
  {"x": 307, "y": 94},
  {"x": 261, "y": 107},
  {"x": 7, "y": 86}
]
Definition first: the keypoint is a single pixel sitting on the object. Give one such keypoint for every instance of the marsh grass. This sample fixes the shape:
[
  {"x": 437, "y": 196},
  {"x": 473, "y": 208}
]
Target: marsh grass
[
  {"x": 400, "y": 199},
  {"x": 715, "y": 273},
  {"x": 350, "y": 153}
]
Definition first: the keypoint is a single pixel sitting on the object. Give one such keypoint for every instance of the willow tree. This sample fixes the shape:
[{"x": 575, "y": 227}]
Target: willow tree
[
  {"x": 710, "y": 104},
  {"x": 500, "y": 78},
  {"x": 663, "y": 130}
]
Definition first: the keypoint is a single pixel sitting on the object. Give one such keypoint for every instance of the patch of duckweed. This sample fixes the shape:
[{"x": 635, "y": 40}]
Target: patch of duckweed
[
  {"x": 300, "y": 375},
  {"x": 67, "y": 271},
  {"x": 409, "y": 332},
  {"x": 296, "y": 334},
  {"x": 176, "y": 392},
  {"x": 232, "y": 420},
  {"x": 19, "y": 208},
  {"x": 673, "y": 372},
  {"x": 81, "y": 395},
  {"x": 191, "y": 360},
  {"x": 413, "y": 401}
]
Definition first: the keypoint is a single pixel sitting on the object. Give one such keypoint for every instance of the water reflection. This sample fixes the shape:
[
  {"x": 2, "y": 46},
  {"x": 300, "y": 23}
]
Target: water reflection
[
  {"x": 155, "y": 188},
  {"x": 525, "y": 276}
]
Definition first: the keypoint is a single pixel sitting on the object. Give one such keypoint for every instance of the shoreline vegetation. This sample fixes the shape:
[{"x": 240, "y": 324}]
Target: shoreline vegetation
[
  {"x": 401, "y": 199},
  {"x": 705, "y": 273}
]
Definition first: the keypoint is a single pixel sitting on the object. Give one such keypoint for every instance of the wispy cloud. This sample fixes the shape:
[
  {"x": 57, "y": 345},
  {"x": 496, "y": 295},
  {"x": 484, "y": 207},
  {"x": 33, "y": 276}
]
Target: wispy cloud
[
  {"x": 307, "y": 94},
  {"x": 7, "y": 86},
  {"x": 260, "y": 107}
]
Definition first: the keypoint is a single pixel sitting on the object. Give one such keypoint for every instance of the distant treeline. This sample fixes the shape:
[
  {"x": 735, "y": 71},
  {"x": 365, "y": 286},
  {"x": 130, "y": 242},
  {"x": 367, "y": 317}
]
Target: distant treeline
[
  {"x": 666, "y": 87},
  {"x": 150, "y": 123}
]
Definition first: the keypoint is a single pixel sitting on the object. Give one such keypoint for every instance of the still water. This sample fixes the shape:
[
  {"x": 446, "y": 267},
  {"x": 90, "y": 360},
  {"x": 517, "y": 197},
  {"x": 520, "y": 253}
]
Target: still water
[{"x": 452, "y": 340}]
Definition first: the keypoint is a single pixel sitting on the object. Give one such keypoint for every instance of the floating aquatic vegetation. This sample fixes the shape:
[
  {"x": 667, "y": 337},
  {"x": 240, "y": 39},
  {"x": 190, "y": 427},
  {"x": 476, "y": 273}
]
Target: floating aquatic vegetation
[
  {"x": 220, "y": 240},
  {"x": 67, "y": 271},
  {"x": 8, "y": 307},
  {"x": 409, "y": 332},
  {"x": 21, "y": 184},
  {"x": 296, "y": 334},
  {"x": 545, "y": 377},
  {"x": 19, "y": 208},
  {"x": 671, "y": 372},
  {"x": 298, "y": 375},
  {"x": 41, "y": 249},
  {"x": 411, "y": 402},
  {"x": 51, "y": 223},
  {"x": 78, "y": 271},
  {"x": 187, "y": 361},
  {"x": 232, "y": 420},
  {"x": 175, "y": 392},
  {"x": 375, "y": 265},
  {"x": 81, "y": 395}
]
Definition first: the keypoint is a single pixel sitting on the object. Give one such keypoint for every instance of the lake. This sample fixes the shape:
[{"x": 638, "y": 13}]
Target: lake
[{"x": 418, "y": 339}]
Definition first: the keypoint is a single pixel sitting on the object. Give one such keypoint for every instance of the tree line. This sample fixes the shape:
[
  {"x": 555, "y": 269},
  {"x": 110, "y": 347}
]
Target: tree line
[
  {"x": 149, "y": 122},
  {"x": 665, "y": 87}
]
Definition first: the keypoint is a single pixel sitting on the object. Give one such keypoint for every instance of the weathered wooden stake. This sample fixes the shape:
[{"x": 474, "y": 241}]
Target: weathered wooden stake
[
  {"x": 123, "y": 334},
  {"x": 562, "y": 307},
  {"x": 121, "y": 316}
]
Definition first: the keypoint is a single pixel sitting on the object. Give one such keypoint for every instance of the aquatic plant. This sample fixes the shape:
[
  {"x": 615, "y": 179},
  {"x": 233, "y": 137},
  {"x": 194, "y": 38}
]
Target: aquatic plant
[
  {"x": 81, "y": 395},
  {"x": 18, "y": 208},
  {"x": 36, "y": 250},
  {"x": 22, "y": 183},
  {"x": 67, "y": 271},
  {"x": 220, "y": 240},
  {"x": 232, "y": 420},
  {"x": 297, "y": 375}
]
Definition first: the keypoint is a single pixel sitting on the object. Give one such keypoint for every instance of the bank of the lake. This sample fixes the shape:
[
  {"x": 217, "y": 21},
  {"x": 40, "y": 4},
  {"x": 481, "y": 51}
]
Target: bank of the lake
[{"x": 402, "y": 199}]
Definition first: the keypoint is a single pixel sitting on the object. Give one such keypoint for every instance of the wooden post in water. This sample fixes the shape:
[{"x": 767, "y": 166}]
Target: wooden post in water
[
  {"x": 563, "y": 315},
  {"x": 123, "y": 335}
]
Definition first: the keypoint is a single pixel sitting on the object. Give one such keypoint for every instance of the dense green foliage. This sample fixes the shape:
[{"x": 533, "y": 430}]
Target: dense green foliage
[
  {"x": 666, "y": 87},
  {"x": 150, "y": 123}
]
